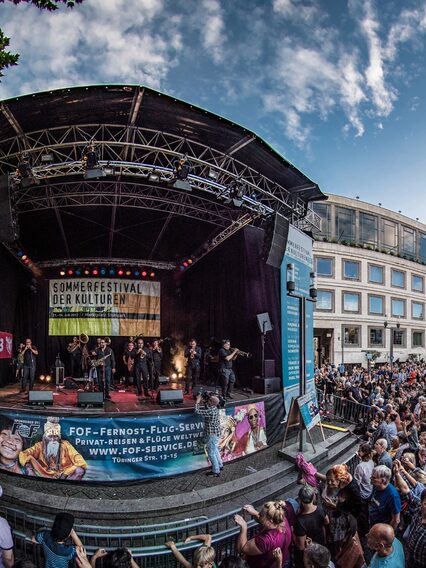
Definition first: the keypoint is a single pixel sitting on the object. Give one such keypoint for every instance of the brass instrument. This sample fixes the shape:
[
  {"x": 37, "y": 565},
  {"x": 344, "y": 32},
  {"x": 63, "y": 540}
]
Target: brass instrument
[
  {"x": 192, "y": 353},
  {"x": 99, "y": 362},
  {"x": 243, "y": 353},
  {"x": 83, "y": 338},
  {"x": 73, "y": 346},
  {"x": 141, "y": 353}
]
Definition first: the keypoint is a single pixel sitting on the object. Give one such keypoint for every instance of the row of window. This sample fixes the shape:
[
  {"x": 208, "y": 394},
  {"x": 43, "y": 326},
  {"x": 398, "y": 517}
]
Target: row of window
[
  {"x": 351, "y": 304},
  {"x": 370, "y": 228},
  {"x": 377, "y": 337},
  {"x": 351, "y": 270}
]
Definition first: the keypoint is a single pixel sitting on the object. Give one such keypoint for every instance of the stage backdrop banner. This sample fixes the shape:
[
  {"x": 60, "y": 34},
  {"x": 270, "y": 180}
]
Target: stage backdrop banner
[
  {"x": 6, "y": 343},
  {"x": 125, "y": 448},
  {"x": 104, "y": 307},
  {"x": 299, "y": 253}
]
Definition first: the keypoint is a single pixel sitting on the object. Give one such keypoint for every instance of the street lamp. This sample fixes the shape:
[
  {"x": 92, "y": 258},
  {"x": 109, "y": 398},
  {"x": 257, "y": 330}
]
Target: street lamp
[
  {"x": 391, "y": 330},
  {"x": 291, "y": 291}
]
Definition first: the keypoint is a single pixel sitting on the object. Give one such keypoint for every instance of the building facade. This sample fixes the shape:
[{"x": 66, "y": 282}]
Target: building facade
[{"x": 371, "y": 268}]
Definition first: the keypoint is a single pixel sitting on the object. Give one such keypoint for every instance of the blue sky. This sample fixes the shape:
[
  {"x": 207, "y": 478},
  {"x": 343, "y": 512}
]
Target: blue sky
[{"x": 337, "y": 86}]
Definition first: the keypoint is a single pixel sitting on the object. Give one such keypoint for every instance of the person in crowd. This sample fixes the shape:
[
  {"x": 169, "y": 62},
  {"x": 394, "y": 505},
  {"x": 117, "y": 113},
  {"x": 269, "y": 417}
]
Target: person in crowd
[
  {"x": 212, "y": 431},
  {"x": 382, "y": 456},
  {"x": 317, "y": 556},
  {"x": 203, "y": 557},
  {"x": 362, "y": 474},
  {"x": 53, "y": 457},
  {"x": 233, "y": 562},
  {"x": 193, "y": 355},
  {"x": 274, "y": 532},
  {"x": 388, "y": 551},
  {"x": 385, "y": 503},
  {"x": 121, "y": 557},
  {"x": 381, "y": 430},
  {"x": 410, "y": 431},
  {"x": 58, "y": 551},
  {"x": 310, "y": 523},
  {"x": 7, "y": 557}
]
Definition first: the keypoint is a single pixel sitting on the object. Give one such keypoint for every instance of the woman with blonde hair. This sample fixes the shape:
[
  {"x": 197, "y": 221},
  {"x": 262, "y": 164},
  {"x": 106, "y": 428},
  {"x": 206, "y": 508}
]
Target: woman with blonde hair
[
  {"x": 274, "y": 532},
  {"x": 203, "y": 556}
]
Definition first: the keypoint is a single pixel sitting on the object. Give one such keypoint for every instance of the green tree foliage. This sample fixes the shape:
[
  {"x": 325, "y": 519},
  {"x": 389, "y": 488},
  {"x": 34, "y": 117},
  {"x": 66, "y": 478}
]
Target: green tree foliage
[{"x": 8, "y": 59}]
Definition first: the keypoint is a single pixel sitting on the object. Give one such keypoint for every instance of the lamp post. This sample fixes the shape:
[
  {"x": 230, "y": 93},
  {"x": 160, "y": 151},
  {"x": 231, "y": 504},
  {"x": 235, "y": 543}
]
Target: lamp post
[
  {"x": 291, "y": 291},
  {"x": 391, "y": 338}
]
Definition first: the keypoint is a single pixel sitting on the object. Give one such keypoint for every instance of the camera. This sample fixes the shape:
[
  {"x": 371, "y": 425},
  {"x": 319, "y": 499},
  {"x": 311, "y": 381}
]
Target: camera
[{"x": 205, "y": 395}]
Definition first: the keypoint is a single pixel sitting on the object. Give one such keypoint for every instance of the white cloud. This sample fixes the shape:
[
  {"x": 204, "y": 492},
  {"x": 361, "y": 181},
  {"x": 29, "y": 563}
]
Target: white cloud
[{"x": 213, "y": 29}]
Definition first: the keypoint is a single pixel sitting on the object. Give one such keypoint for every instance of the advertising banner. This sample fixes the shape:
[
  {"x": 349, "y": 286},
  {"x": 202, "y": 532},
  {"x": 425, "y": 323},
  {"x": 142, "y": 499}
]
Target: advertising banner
[
  {"x": 309, "y": 409},
  {"x": 6, "y": 345},
  {"x": 104, "y": 307},
  {"x": 299, "y": 253},
  {"x": 123, "y": 448}
]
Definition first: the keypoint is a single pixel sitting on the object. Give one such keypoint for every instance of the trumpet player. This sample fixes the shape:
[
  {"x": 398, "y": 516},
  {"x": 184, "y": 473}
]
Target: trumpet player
[
  {"x": 141, "y": 355},
  {"x": 29, "y": 368},
  {"x": 75, "y": 356},
  {"x": 226, "y": 372},
  {"x": 193, "y": 357},
  {"x": 106, "y": 369}
]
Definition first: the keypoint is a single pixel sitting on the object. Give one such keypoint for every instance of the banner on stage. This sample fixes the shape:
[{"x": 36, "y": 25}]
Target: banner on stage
[
  {"x": 124, "y": 448},
  {"x": 309, "y": 409},
  {"x": 104, "y": 307},
  {"x": 6, "y": 345}
]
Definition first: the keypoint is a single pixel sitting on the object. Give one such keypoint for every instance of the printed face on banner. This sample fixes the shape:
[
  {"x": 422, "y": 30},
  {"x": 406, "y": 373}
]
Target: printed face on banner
[
  {"x": 123, "y": 448},
  {"x": 107, "y": 307}
]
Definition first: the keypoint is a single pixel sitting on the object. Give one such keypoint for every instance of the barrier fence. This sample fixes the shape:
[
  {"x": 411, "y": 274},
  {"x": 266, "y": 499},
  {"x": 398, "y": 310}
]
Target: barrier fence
[{"x": 344, "y": 408}]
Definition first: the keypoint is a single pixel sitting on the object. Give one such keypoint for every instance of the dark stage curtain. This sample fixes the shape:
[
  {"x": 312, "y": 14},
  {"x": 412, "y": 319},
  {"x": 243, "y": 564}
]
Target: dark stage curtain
[
  {"x": 220, "y": 296},
  {"x": 16, "y": 301}
]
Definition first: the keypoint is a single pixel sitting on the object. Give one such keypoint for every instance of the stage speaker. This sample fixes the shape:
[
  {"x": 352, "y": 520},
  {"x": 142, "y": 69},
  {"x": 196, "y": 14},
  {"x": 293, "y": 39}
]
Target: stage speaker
[
  {"x": 90, "y": 399},
  {"x": 269, "y": 367},
  {"x": 40, "y": 398},
  {"x": 264, "y": 322},
  {"x": 163, "y": 380},
  {"x": 266, "y": 386},
  {"x": 8, "y": 220},
  {"x": 275, "y": 241},
  {"x": 170, "y": 396}
]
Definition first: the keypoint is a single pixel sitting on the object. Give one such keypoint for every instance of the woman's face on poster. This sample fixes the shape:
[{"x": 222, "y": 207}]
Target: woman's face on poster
[{"x": 10, "y": 444}]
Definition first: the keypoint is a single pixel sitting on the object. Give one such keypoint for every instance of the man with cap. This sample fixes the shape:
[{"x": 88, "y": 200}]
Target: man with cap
[
  {"x": 58, "y": 552},
  {"x": 212, "y": 431},
  {"x": 53, "y": 457}
]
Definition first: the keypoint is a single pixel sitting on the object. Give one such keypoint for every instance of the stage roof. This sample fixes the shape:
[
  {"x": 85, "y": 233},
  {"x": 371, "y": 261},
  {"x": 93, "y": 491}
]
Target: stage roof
[{"x": 126, "y": 213}]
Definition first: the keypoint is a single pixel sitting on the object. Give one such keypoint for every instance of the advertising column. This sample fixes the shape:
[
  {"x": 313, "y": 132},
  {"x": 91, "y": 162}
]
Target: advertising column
[{"x": 299, "y": 253}]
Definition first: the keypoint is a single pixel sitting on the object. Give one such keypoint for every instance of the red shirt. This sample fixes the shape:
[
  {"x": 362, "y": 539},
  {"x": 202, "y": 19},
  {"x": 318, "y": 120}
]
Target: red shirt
[{"x": 266, "y": 541}]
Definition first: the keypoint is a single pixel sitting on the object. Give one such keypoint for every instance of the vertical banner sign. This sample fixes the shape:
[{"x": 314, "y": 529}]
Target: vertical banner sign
[
  {"x": 6, "y": 342},
  {"x": 299, "y": 253},
  {"x": 104, "y": 307}
]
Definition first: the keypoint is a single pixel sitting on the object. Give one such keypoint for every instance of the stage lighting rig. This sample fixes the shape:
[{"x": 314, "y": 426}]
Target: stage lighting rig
[
  {"x": 236, "y": 194},
  {"x": 182, "y": 169},
  {"x": 90, "y": 161}
]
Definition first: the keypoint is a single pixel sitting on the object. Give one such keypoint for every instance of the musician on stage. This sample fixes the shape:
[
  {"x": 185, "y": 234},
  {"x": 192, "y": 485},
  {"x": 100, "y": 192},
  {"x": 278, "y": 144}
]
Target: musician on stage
[
  {"x": 226, "y": 372},
  {"x": 193, "y": 355},
  {"x": 75, "y": 355},
  {"x": 142, "y": 358},
  {"x": 106, "y": 369},
  {"x": 129, "y": 362},
  {"x": 20, "y": 362},
  {"x": 29, "y": 368},
  {"x": 157, "y": 361}
]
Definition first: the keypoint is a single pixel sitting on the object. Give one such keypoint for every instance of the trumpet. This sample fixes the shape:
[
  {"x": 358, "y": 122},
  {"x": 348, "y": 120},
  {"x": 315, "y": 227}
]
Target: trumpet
[{"x": 243, "y": 353}]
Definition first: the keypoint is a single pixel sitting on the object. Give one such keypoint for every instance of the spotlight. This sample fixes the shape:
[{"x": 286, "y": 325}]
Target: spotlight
[
  {"x": 111, "y": 272},
  {"x": 180, "y": 375},
  {"x": 185, "y": 264},
  {"x": 20, "y": 253},
  {"x": 27, "y": 261},
  {"x": 174, "y": 376},
  {"x": 190, "y": 261},
  {"x": 136, "y": 273},
  {"x": 128, "y": 272},
  {"x": 78, "y": 272},
  {"x": 86, "y": 272},
  {"x": 95, "y": 272},
  {"x": 102, "y": 271},
  {"x": 144, "y": 273},
  {"x": 152, "y": 274},
  {"x": 48, "y": 378},
  {"x": 213, "y": 174},
  {"x": 62, "y": 273},
  {"x": 154, "y": 176},
  {"x": 47, "y": 158},
  {"x": 70, "y": 272},
  {"x": 24, "y": 257},
  {"x": 109, "y": 170},
  {"x": 42, "y": 377},
  {"x": 120, "y": 272}
]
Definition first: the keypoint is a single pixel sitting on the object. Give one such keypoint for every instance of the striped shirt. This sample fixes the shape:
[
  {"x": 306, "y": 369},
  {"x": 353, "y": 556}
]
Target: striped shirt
[
  {"x": 211, "y": 419},
  {"x": 56, "y": 555}
]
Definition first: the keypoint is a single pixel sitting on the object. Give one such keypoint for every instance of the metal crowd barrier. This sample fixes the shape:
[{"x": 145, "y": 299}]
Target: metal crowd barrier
[{"x": 344, "y": 408}]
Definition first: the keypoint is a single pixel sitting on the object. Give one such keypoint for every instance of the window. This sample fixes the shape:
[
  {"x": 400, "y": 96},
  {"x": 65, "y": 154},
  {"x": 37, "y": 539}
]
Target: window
[
  {"x": 389, "y": 235},
  {"x": 351, "y": 269},
  {"x": 398, "y": 278},
  {"x": 324, "y": 266},
  {"x": 351, "y": 302},
  {"x": 417, "y": 310},
  {"x": 345, "y": 224},
  {"x": 376, "y": 337},
  {"x": 325, "y": 300},
  {"x": 398, "y": 308},
  {"x": 408, "y": 242},
  {"x": 418, "y": 339},
  {"x": 422, "y": 246},
  {"x": 376, "y": 274},
  {"x": 398, "y": 337},
  {"x": 352, "y": 335},
  {"x": 368, "y": 228},
  {"x": 323, "y": 210},
  {"x": 376, "y": 305},
  {"x": 417, "y": 283}
]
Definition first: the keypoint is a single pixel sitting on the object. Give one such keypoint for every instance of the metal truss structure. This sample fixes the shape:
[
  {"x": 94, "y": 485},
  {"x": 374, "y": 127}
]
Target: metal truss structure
[{"x": 95, "y": 262}]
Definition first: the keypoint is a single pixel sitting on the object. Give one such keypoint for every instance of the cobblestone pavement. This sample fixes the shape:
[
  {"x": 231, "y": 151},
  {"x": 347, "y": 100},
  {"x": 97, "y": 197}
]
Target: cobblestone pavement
[{"x": 185, "y": 483}]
